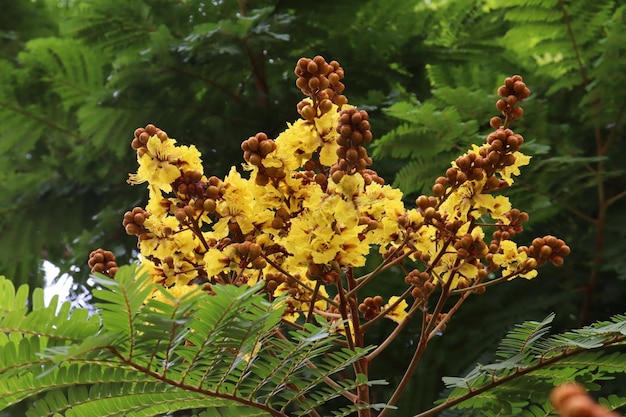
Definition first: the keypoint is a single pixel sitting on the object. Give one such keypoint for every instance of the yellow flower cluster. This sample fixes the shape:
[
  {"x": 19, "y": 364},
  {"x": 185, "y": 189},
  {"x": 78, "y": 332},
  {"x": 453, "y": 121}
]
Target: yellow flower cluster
[{"x": 309, "y": 211}]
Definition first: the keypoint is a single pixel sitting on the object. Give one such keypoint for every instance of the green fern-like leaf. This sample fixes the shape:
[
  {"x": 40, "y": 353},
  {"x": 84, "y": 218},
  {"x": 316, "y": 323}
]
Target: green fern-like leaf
[
  {"x": 74, "y": 70},
  {"x": 432, "y": 133},
  {"x": 531, "y": 362},
  {"x": 142, "y": 357},
  {"x": 418, "y": 175}
]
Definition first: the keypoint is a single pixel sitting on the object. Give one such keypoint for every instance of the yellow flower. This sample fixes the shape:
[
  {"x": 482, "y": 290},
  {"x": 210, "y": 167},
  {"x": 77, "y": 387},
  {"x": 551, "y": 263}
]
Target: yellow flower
[
  {"x": 398, "y": 313},
  {"x": 415, "y": 217},
  {"x": 511, "y": 260},
  {"x": 161, "y": 165},
  {"x": 216, "y": 262},
  {"x": 162, "y": 244},
  {"x": 520, "y": 160},
  {"x": 447, "y": 268},
  {"x": 327, "y": 229},
  {"x": 295, "y": 145},
  {"x": 349, "y": 186},
  {"x": 325, "y": 126},
  {"x": 384, "y": 205},
  {"x": 154, "y": 206},
  {"x": 180, "y": 273},
  {"x": 496, "y": 206},
  {"x": 302, "y": 139},
  {"x": 461, "y": 200},
  {"x": 239, "y": 203},
  {"x": 469, "y": 200},
  {"x": 425, "y": 240}
]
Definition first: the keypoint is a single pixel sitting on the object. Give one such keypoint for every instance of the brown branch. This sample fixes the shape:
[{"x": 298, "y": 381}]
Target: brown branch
[
  {"x": 570, "y": 31},
  {"x": 343, "y": 303},
  {"x": 388, "y": 262},
  {"x": 615, "y": 198},
  {"x": 363, "y": 392},
  {"x": 395, "y": 331}
]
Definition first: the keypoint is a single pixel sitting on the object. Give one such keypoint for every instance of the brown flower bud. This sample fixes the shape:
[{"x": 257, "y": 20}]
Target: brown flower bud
[
  {"x": 151, "y": 129},
  {"x": 258, "y": 263},
  {"x": 180, "y": 215},
  {"x": 143, "y": 138},
  {"x": 439, "y": 189},
  {"x": 209, "y": 205},
  {"x": 131, "y": 229},
  {"x": 517, "y": 112},
  {"x": 337, "y": 176},
  {"x": 325, "y": 106},
  {"x": 430, "y": 213},
  {"x": 136, "y": 144},
  {"x": 495, "y": 122}
]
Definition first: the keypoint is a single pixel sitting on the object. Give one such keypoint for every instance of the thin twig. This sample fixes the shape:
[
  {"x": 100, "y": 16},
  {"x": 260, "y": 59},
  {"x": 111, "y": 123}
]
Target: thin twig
[
  {"x": 395, "y": 331},
  {"x": 297, "y": 281}
]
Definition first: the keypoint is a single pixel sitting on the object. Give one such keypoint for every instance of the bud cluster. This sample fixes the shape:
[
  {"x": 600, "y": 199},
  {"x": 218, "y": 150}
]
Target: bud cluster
[
  {"x": 321, "y": 81},
  {"x": 502, "y": 145},
  {"x": 469, "y": 247},
  {"x": 142, "y": 135},
  {"x": 281, "y": 219},
  {"x": 513, "y": 91},
  {"x": 422, "y": 284},
  {"x": 257, "y": 147},
  {"x": 354, "y": 133},
  {"x": 547, "y": 248},
  {"x": 505, "y": 232},
  {"x": 250, "y": 254},
  {"x": 476, "y": 166},
  {"x": 313, "y": 172},
  {"x": 196, "y": 196},
  {"x": 426, "y": 206},
  {"x": 438, "y": 319},
  {"x": 189, "y": 185},
  {"x": 370, "y": 307},
  {"x": 514, "y": 226},
  {"x": 134, "y": 220},
  {"x": 328, "y": 274},
  {"x": 103, "y": 262}
]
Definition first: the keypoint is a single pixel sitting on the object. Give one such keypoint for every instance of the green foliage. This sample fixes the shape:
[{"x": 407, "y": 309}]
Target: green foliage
[
  {"x": 530, "y": 362},
  {"x": 432, "y": 133},
  {"x": 223, "y": 352}
]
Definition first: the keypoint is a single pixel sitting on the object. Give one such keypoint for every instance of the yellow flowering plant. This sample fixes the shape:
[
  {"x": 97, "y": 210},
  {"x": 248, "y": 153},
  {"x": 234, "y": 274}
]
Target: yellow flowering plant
[{"x": 306, "y": 210}]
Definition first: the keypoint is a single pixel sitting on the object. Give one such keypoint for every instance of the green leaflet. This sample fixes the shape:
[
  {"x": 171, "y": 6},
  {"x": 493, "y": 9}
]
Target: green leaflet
[
  {"x": 216, "y": 352},
  {"x": 531, "y": 362}
]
